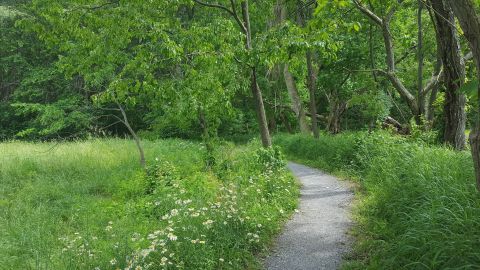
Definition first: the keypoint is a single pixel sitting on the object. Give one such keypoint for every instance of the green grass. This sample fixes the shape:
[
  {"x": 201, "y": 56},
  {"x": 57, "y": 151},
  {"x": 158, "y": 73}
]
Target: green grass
[
  {"x": 87, "y": 205},
  {"x": 417, "y": 208}
]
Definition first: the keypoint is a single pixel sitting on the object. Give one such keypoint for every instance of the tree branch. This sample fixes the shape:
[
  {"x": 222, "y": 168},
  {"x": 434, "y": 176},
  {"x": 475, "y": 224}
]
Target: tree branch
[
  {"x": 402, "y": 90},
  {"x": 433, "y": 82},
  {"x": 375, "y": 18},
  {"x": 232, "y": 12},
  {"x": 390, "y": 14},
  {"x": 390, "y": 55},
  {"x": 237, "y": 18}
]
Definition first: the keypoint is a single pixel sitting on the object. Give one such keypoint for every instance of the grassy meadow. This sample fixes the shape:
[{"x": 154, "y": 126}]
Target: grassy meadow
[
  {"x": 88, "y": 205},
  {"x": 417, "y": 205}
]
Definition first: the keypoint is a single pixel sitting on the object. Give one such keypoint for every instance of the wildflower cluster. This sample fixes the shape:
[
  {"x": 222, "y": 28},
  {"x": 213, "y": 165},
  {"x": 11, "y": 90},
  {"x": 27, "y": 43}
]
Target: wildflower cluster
[{"x": 207, "y": 222}]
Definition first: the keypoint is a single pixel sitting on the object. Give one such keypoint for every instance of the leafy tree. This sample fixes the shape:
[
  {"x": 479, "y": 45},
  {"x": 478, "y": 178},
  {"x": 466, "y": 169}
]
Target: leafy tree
[{"x": 37, "y": 101}]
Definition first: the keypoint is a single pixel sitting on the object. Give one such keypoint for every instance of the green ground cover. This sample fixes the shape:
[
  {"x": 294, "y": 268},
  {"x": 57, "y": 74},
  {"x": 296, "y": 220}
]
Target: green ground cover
[{"x": 88, "y": 205}]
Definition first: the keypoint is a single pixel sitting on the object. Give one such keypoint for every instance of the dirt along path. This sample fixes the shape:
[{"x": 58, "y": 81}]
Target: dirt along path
[{"x": 316, "y": 236}]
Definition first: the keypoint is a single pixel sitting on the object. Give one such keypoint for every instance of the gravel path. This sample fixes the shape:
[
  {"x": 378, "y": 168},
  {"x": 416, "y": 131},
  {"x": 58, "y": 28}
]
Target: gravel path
[{"x": 316, "y": 237}]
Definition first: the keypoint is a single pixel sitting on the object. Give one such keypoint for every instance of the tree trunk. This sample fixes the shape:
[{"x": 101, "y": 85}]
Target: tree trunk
[
  {"x": 337, "y": 108},
  {"x": 260, "y": 108},
  {"x": 244, "y": 24},
  {"x": 210, "y": 157},
  {"x": 312, "y": 87},
  {"x": 302, "y": 15},
  {"x": 454, "y": 75},
  {"x": 430, "y": 114},
  {"x": 134, "y": 135},
  {"x": 256, "y": 92},
  {"x": 470, "y": 23},
  {"x": 296, "y": 103},
  {"x": 272, "y": 123},
  {"x": 420, "y": 93}
]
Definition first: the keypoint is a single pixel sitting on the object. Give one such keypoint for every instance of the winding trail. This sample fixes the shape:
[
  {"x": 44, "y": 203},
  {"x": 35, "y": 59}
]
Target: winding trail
[{"x": 316, "y": 236}]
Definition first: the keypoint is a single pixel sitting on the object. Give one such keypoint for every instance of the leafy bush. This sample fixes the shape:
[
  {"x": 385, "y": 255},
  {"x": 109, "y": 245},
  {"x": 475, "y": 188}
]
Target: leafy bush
[
  {"x": 419, "y": 208},
  {"x": 87, "y": 205},
  {"x": 270, "y": 158}
]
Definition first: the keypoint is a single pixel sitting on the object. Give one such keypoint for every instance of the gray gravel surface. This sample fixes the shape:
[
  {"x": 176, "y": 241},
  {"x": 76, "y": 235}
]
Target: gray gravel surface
[{"x": 316, "y": 236}]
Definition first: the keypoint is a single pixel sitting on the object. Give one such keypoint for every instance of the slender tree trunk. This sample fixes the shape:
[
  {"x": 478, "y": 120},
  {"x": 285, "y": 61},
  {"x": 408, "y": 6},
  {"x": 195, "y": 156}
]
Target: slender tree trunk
[
  {"x": 312, "y": 87},
  {"x": 297, "y": 107},
  {"x": 134, "y": 135},
  {"x": 470, "y": 23},
  {"x": 430, "y": 114},
  {"x": 244, "y": 24},
  {"x": 337, "y": 108},
  {"x": 312, "y": 72},
  {"x": 210, "y": 158},
  {"x": 203, "y": 124},
  {"x": 296, "y": 103},
  {"x": 421, "y": 94},
  {"x": 260, "y": 108},
  {"x": 272, "y": 123},
  {"x": 372, "y": 54},
  {"x": 454, "y": 74},
  {"x": 256, "y": 92}
]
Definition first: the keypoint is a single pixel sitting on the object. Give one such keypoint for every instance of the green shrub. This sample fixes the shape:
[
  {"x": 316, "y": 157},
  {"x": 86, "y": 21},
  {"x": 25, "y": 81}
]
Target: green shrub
[
  {"x": 419, "y": 208},
  {"x": 270, "y": 158}
]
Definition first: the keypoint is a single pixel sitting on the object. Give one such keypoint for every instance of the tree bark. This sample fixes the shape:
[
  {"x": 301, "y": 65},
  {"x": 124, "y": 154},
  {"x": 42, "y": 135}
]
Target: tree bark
[
  {"x": 470, "y": 23},
  {"x": 454, "y": 75},
  {"x": 296, "y": 102}
]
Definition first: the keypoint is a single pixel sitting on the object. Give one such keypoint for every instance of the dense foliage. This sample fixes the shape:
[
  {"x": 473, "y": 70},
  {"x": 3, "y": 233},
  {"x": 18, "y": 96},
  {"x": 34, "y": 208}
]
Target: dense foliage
[
  {"x": 417, "y": 205},
  {"x": 86, "y": 205},
  {"x": 75, "y": 73},
  {"x": 183, "y": 70}
]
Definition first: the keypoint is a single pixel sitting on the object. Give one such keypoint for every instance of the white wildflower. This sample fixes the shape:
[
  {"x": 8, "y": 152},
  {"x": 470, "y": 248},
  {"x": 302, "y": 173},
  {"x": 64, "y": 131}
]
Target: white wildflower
[
  {"x": 208, "y": 223},
  {"x": 172, "y": 237}
]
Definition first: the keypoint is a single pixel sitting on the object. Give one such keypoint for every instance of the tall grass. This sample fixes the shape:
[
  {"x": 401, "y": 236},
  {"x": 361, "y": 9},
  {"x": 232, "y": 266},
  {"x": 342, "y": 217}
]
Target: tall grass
[
  {"x": 419, "y": 208},
  {"x": 87, "y": 205}
]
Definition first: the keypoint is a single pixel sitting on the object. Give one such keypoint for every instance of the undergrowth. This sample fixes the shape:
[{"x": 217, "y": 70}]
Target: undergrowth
[
  {"x": 87, "y": 205},
  {"x": 418, "y": 206}
]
